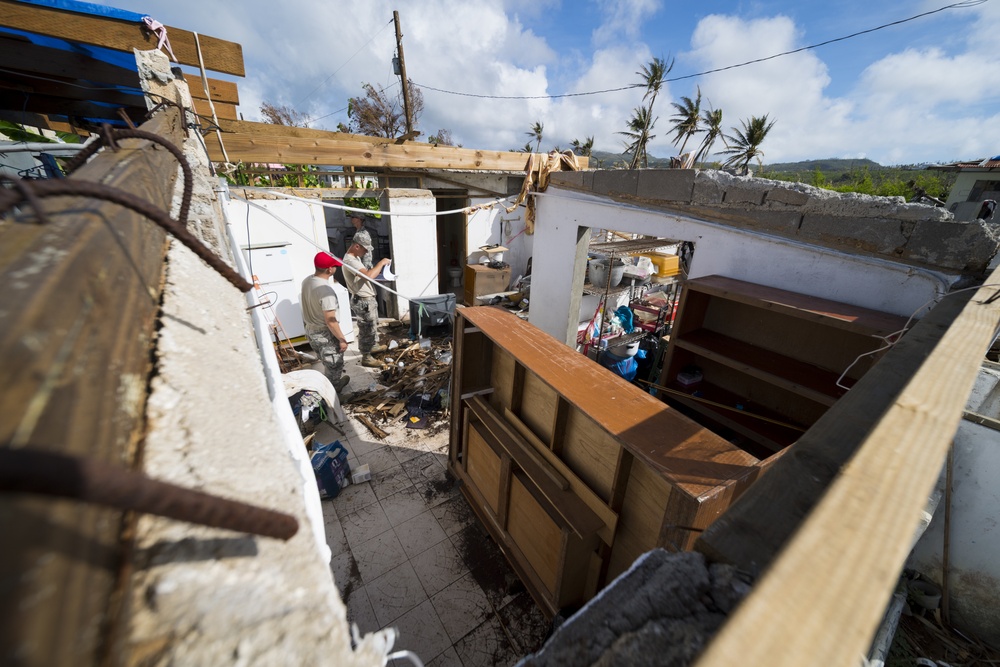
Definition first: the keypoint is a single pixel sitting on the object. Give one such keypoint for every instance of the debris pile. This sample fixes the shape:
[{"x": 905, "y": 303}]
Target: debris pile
[{"x": 412, "y": 386}]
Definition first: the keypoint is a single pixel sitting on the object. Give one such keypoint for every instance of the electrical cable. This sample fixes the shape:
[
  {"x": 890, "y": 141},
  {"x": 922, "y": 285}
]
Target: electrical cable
[
  {"x": 323, "y": 83},
  {"x": 957, "y": 5}
]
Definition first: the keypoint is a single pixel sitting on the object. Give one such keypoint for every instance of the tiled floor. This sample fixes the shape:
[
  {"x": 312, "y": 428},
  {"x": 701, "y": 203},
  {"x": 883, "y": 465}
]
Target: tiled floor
[{"x": 409, "y": 553}]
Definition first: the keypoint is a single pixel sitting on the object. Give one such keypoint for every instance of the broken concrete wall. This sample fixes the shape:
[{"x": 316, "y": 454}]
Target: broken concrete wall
[{"x": 885, "y": 227}]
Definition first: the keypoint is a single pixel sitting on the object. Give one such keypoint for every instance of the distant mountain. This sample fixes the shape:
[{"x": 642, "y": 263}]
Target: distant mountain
[{"x": 828, "y": 165}]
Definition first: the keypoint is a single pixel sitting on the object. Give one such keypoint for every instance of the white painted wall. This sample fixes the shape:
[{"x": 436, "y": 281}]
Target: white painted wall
[
  {"x": 495, "y": 225},
  {"x": 719, "y": 249},
  {"x": 414, "y": 245},
  {"x": 974, "y": 533},
  {"x": 261, "y": 229}
]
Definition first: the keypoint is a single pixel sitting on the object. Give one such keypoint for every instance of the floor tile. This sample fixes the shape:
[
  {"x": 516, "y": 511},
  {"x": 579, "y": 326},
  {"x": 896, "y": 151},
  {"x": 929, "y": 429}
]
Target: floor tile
[
  {"x": 390, "y": 481},
  {"x": 419, "y": 534},
  {"x": 453, "y": 515},
  {"x": 406, "y": 450},
  {"x": 345, "y": 574},
  {"x": 439, "y": 567},
  {"x": 365, "y": 524},
  {"x": 476, "y": 545},
  {"x": 335, "y": 537},
  {"x": 360, "y": 612},
  {"x": 424, "y": 468},
  {"x": 486, "y": 646},
  {"x": 403, "y": 505},
  {"x": 395, "y": 593},
  {"x": 421, "y": 631},
  {"x": 379, "y": 460},
  {"x": 363, "y": 442},
  {"x": 353, "y": 498},
  {"x": 461, "y": 607},
  {"x": 525, "y": 624},
  {"x": 378, "y": 555},
  {"x": 447, "y": 659}
]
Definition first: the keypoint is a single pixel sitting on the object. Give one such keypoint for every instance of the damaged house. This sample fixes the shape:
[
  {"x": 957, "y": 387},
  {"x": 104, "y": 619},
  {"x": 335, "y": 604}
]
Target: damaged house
[{"x": 823, "y": 352}]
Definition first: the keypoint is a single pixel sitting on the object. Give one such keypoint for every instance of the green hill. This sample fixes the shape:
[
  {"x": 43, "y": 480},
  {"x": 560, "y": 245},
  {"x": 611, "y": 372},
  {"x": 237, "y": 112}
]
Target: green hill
[{"x": 826, "y": 166}]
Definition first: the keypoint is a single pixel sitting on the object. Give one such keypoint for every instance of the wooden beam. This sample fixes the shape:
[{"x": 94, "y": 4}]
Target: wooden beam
[
  {"x": 79, "y": 302},
  {"x": 822, "y": 599},
  {"x": 219, "y": 55},
  {"x": 42, "y": 122},
  {"x": 273, "y": 130},
  {"x": 222, "y": 110},
  {"x": 221, "y": 91},
  {"x": 368, "y": 153},
  {"x": 50, "y": 87}
]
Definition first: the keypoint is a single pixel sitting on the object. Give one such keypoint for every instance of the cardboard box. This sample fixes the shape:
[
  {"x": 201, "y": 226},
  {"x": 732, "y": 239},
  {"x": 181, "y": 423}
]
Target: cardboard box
[{"x": 481, "y": 279}]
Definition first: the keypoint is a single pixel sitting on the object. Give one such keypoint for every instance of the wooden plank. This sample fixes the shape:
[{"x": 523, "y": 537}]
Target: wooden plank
[
  {"x": 646, "y": 496},
  {"x": 221, "y": 91},
  {"x": 590, "y": 452},
  {"x": 830, "y": 313},
  {"x": 219, "y": 55},
  {"x": 60, "y": 106},
  {"x": 820, "y": 601},
  {"x": 692, "y": 458},
  {"x": 535, "y": 533},
  {"x": 538, "y": 406},
  {"x": 49, "y": 87},
  {"x": 577, "y": 515},
  {"x": 222, "y": 110},
  {"x": 483, "y": 466},
  {"x": 608, "y": 517},
  {"x": 370, "y": 152},
  {"x": 75, "y": 345}
]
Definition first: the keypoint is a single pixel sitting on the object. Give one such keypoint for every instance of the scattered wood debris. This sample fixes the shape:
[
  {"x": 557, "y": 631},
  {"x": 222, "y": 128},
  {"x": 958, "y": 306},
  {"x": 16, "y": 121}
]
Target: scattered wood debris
[{"x": 413, "y": 382}]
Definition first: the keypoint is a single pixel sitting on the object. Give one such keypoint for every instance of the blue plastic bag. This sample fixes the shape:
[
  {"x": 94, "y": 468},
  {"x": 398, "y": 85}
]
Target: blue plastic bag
[{"x": 333, "y": 472}]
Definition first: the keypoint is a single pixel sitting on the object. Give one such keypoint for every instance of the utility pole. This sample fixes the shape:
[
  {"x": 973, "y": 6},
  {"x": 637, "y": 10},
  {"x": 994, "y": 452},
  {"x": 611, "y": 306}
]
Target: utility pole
[{"x": 402, "y": 73}]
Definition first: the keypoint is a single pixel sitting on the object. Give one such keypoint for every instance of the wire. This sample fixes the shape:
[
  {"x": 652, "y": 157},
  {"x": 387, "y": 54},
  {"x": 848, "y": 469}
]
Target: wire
[
  {"x": 887, "y": 340},
  {"x": 958, "y": 5},
  {"x": 323, "y": 83},
  {"x": 400, "y": 214}
]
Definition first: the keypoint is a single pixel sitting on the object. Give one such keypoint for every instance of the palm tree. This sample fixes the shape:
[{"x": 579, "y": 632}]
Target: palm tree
[
  {"x": 653, "y": 75},
  {"x": 536, "y": 132},
  {"x": 687, "y": 120},
  {"x": 585, "y": 148},
  {"x": 743, "y": 146},
  {"x": 713, "y": 131},
  {"x": 639, "y": 126}
]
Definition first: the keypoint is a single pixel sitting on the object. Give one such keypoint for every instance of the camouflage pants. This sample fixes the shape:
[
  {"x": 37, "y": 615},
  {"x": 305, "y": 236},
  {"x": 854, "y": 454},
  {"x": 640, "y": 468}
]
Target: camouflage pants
[
  {"x": 327, "y": 348},
  {"x": 366, "y": 310}
]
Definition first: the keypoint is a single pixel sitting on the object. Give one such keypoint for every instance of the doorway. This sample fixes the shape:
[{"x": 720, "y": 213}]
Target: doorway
[{"x": 452, "y": 240}]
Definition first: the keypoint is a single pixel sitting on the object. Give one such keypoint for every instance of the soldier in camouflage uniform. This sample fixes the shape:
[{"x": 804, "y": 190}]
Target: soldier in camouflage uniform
[
  {"x": 363, "y": 303},
  {"x": 362, "y": 235},
  {"x": 320, "y": 317}
]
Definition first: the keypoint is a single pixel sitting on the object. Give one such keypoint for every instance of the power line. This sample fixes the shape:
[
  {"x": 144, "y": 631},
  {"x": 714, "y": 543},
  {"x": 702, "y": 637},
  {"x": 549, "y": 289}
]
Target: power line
[
  {"x": 324, "y": 82},
  {"x": 957, "y": 5}
]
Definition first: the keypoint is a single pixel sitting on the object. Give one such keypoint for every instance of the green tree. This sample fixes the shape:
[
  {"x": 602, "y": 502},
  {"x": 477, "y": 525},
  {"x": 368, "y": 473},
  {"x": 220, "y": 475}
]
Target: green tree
[
  {"x": 585, "y": 149},
  {"x": 639, "y": 135},
  {"x": 536, "y": 133},
  {"x": 687, "y": 120},
  {"x": 442, "y": 138},
  {"x": 713, "y": 131},
  {"x": 744, "y": 145},
  {"x": 653, "y": 75}
]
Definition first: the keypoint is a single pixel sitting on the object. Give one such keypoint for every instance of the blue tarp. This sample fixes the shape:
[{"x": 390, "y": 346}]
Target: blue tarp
[{"x": 87, "y": 8}]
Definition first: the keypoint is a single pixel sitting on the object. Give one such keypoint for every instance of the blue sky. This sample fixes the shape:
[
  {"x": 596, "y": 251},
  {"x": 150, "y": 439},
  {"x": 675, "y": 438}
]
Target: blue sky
[{"x": 923, "y": 91}]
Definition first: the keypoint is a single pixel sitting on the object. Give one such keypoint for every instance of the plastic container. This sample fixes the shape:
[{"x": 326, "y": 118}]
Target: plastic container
[
  {"x": 361, "y": 474},
  {"x": 666, "y": 265},
  {"x": 597, "y": 272}
]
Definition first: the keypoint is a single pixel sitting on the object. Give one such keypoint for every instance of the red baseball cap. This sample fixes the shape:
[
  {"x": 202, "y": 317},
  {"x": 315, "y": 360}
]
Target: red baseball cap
[{"x": 324, "y": 260}]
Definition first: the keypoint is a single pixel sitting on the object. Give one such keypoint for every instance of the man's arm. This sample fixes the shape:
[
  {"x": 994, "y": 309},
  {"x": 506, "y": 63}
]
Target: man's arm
[
  {"x": 375, "y": 270},
  {"x": 334, "y": 326}
]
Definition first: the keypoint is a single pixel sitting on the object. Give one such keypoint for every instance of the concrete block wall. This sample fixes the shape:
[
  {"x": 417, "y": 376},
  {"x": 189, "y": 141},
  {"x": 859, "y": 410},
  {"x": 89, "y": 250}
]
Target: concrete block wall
[{"x": 886, "y": 227}]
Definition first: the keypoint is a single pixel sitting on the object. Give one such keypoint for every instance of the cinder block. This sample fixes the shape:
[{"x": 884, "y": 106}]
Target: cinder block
[
  {"x": 615, "y": 181},
  {"x": 737, "y": 195},
  {"x": 786, "y": 196},
  {"x": 577, "y": 180},
  {"x": 783, "y": 223},
  {"x": 666, "y": 184},
  {"x": 707, "y": 191},
  {"x": 880, "y": 236},
  {"x": 959, "y": 246}
]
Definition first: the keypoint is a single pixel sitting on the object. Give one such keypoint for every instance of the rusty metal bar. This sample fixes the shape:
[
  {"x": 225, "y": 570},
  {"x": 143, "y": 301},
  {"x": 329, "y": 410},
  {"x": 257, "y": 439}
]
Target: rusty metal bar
[{"x": 51, "y": 474}]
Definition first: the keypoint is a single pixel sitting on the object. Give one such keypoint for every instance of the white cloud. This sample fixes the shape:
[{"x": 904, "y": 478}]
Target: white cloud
[{"x": 622, "y": 18}]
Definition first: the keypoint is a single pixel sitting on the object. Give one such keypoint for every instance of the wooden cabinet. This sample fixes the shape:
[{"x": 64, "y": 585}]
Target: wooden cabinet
[
  {"x": 574, "y": 471},
  {"x": 770, "y": 359}
]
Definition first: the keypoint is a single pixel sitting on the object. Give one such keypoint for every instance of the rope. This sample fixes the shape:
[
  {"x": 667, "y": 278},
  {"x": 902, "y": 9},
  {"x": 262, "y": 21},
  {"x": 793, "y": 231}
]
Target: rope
[
  {"x": 208, "y": 94},
  {"x": 401, "y": 214}
]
